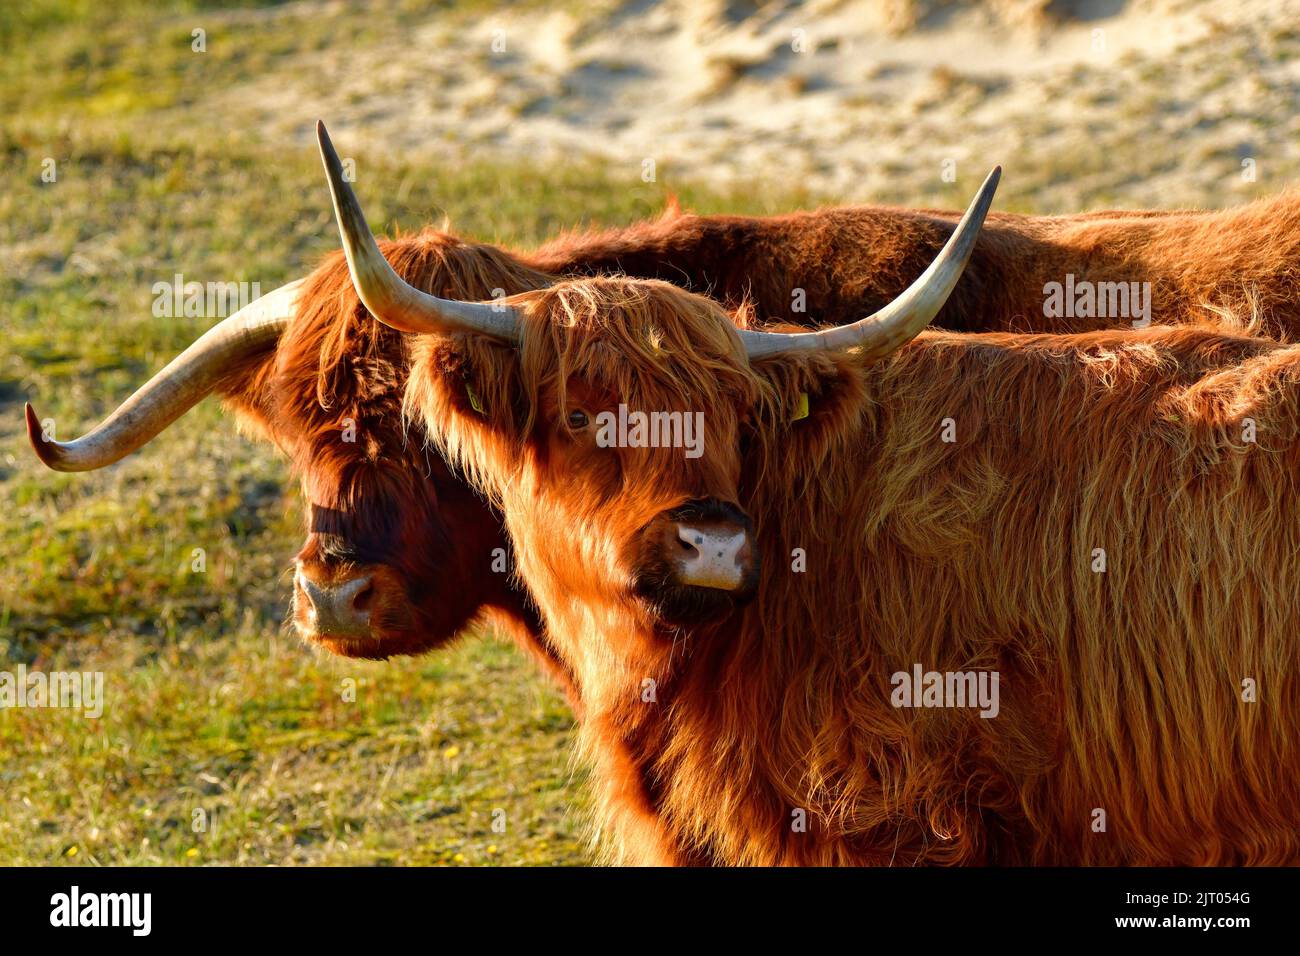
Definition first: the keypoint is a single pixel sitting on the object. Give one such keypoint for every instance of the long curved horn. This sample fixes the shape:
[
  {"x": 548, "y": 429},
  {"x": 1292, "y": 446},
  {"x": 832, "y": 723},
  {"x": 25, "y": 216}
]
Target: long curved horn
[
  {"x": 390, "y": 298},
  {"x": 899, "y": 322},
  {"x": 173, "y": 391}
]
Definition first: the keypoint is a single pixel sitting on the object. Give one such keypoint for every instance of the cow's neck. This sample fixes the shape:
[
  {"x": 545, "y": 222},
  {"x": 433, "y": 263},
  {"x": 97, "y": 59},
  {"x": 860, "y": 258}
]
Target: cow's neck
[
  {"x": 678, "y": 735},
  {"x": 621, "y": 682},
  {"x": 722, "y": 757}
]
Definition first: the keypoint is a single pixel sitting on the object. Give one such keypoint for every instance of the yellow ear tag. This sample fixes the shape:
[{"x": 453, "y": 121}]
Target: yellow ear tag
[
  {"x": 474, "y": 403},
  {"x": 800, "y": 410}
]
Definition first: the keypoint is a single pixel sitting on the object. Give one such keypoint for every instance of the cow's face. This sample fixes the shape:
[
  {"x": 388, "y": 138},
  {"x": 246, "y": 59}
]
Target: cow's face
[
  {"x": 400, "y": 554},
  {"x": 396, "y": 556},
  {"x": 654, "y": 485},
  {"x": 611, "y": 439}
]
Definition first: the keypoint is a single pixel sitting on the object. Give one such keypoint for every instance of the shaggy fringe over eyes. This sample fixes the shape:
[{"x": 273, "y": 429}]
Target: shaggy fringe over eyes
[
  {"x": 646, "y": 343},
  {"x": 650, "y": 343}
]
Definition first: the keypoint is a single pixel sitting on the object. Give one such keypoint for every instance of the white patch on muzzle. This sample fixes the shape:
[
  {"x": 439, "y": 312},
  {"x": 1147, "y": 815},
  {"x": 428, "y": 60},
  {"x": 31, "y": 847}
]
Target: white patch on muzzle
[{"x": 715, "y": 561}]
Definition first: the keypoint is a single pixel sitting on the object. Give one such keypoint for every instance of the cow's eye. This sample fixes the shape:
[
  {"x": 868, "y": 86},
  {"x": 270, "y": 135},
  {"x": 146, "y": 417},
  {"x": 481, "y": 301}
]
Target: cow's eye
[{"x": 577, "y": 419}]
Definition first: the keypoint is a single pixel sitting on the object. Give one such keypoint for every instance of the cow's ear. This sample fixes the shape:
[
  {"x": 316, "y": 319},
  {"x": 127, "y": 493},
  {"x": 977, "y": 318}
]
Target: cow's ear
[
  {"x": 468, "y": 384},
  {"x": 245, "y": 391},
  {"x": 490, "y": 385},
  {"x": 818, "y": 400},
  {"x": 835, "y": 388}
]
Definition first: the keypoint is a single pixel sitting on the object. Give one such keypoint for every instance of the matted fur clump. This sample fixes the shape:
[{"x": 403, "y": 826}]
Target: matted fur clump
[{"x": 646, "y": 344}]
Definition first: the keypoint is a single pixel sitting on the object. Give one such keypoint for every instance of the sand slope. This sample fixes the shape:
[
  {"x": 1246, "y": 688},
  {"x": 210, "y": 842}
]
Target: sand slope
[{"x": 1137, "y": 102}]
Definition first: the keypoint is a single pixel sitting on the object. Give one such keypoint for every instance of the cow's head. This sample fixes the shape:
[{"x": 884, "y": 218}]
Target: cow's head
[
  {"x": 548, "y": 401},
  {"x": 400, "y": 555},
  {"x": 614, "y": 426}
]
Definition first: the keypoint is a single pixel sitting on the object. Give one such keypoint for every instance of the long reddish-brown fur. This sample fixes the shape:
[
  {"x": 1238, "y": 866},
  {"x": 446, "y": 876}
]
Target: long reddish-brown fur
[
  {"x": 1121, "y": 690},
  {"x": 853, "y": 260},
  {"x": 381, "y": 501}
]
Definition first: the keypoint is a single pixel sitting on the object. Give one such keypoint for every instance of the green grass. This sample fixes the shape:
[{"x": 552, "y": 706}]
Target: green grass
[{"x": 107, "y": 62}]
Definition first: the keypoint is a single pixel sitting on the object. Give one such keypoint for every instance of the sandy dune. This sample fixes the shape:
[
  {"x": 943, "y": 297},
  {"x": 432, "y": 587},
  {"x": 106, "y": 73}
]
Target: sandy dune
[{"x": 1138, "y": 102}]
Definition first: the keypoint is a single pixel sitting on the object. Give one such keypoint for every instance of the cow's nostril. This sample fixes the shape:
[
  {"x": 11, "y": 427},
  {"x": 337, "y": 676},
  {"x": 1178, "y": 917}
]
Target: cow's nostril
[
  {"x": 339, "y": 607},
  {"x": 715, "y": 556},
  {"x": 690, "y": 540},
  {"x": 365, "y": 597},
  {"x": 309, "y": 590}
]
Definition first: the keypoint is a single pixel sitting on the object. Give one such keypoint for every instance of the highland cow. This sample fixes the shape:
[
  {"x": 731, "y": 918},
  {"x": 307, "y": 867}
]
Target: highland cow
[
  {"x": 1107, "y": 523},
  {"x": 401, "y": 556}
]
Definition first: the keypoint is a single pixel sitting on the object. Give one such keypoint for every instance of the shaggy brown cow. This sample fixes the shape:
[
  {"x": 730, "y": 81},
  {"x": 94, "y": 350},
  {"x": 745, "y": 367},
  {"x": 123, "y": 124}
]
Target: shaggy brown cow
[
  {"x": 1084, "y": 523},
  {"x": 399, "y": 556}
]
